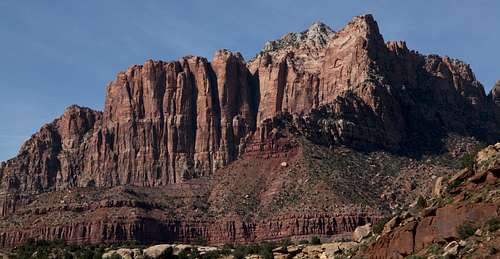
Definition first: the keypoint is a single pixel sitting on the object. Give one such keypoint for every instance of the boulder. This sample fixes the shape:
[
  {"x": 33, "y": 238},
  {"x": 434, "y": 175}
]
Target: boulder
[
  {"x": 390, "y": 225},
  {"x": 157, "y": 250},
  {"x": 362, "y": 232},
  {"x": 201, "y": 249},
  {"x": 330, "y": 249},
  {"x": 180, "y": 247},
  {"x": 312, "y": 250},
  {"x": 430, "y": 211},
  {"x": 451, "y": 249},
  {"x": 492, "y": 177},
  {"x": 462, "y": 174},
  {"x": 478, "y": 177},
  {"x": 293, "y": 250},
  {"x": 281, "y": 256},
  {"x": 125, "y": 253},
  {"x": 438, "y": 187},
  {"x": 488, "y": 157}
]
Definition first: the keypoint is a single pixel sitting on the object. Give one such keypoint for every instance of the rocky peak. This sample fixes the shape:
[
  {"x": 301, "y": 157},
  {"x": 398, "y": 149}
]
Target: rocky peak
[
  {"x": 360, "y": 49},
  {"x": 67, "y": 130},
  {"x": 74, "y": 124},
  {"x": 361, "y": 30},
  {"x": 315, "y": 37},
  {"x": 318, "y": 34},
  {"x": 299, "y": 51},
  {"x": 365, "y": 22},
  {"x": 224, "y": 54}
]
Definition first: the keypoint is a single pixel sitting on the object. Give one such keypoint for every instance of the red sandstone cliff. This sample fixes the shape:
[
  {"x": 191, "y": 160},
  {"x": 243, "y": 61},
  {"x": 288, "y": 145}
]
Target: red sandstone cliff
[{"x": 166, "y": 122}]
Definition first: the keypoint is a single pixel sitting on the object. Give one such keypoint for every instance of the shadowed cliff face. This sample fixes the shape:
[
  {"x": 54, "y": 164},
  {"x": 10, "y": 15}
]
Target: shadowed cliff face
[{"x": 167, "y": 122}]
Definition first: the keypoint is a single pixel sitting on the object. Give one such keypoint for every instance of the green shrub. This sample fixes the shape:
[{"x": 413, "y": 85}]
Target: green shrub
[
  {"x": 183, "y": 254},
  {"x": 315, "y": 240},
  {"x": 466, "y": 230},
  {"x": 98, "y": 252},
  {"x": 468, "y": 161},
  {"x": 421, "y": 203},
  {"x": 194, "y": 253},
  {"x": 264, "y": 249},
  {"x": 115, "y": 256},
  {"x": 215, "y": 254},
  {"x": 379, "y": 226},
  {"x": 239, "y": 252},
  {"x": 201, "y": 241},
  {"x": 493, "y": 224},
  {"x": 286, "y": 243},
  {"x": 58, "y": 249},
  {"x": 42, "y": 248},
  {"x": 455, "y": 184},
  {"x": 303, "y": 242},
  {"x": 433, "y": 249},
  {"x": 267, "y": 254}
]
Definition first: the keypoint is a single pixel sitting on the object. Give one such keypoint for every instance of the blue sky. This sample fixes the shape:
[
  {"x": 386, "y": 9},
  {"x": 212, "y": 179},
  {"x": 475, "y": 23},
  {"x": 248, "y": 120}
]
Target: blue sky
[{"x": 54, "y": 53}]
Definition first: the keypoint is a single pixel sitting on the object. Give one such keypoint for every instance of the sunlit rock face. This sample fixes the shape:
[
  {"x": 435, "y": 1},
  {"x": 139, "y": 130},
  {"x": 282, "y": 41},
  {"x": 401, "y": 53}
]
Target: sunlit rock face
[
  {"x": 315, "y": 135},
  {"x": 165, "y": 122}
]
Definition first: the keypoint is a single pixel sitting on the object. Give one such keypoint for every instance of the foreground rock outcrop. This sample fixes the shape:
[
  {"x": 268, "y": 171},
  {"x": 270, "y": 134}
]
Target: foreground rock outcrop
[
  {"x": 198, "y": 126},
  {"x": 463, "y": 222}
]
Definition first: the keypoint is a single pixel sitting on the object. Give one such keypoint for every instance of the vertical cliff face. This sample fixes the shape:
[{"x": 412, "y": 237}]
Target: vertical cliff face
[
  {"x": 149, "y": 124},
  {"x": 165, "y": 122}
]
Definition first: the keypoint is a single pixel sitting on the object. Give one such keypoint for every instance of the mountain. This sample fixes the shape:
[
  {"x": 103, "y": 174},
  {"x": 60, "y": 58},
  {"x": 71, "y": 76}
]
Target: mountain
[{"x": 320, "y": 132}]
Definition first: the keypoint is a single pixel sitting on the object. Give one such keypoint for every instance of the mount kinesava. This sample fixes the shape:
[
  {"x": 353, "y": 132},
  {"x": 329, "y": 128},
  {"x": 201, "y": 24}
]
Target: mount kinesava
[{"x": 319, "y": 133}]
